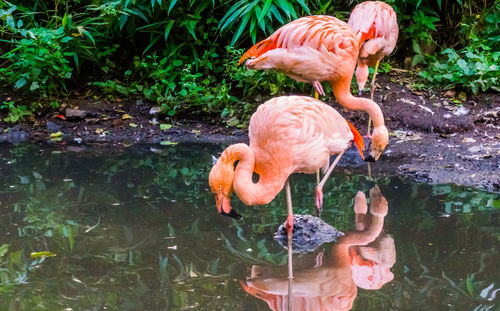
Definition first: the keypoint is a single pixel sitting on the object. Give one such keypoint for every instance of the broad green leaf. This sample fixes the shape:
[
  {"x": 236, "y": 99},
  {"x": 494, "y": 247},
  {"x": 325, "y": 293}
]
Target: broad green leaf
[
  {"x": 138, "y": 13},
  {"x": 152, "y": 40},
  {"x": 304, "y": 6},
  {"x": 171, "y": 6},
  {"x": 276, "y": 14},
  {"x": 243, "y": 24},
  {"x": 265, "y": 9},
  {"x": 231, "y": 14},
  {"x": 168, "y": 28},
  {"x": 123, "y": 20}
]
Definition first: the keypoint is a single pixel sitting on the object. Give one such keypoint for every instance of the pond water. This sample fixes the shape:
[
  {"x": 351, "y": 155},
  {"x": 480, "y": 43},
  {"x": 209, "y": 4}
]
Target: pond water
[{"x": 137, "y": 229}]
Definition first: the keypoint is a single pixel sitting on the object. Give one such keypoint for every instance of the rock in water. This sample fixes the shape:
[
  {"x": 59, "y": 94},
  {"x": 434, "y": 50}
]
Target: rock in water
[{"x": 309, "y": 232}]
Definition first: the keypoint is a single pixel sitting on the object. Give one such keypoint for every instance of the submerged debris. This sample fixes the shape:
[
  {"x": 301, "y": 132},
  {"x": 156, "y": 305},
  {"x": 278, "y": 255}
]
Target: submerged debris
[{"x": 309, "y": 232}]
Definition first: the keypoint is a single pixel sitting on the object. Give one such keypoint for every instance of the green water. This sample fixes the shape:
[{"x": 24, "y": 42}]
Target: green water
[{"x": 137, "y": 229}]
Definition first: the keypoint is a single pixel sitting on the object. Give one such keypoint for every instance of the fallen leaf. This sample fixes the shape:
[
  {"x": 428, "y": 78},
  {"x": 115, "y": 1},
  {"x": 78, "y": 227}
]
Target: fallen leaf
[
  {"x": 99, "y": 131},
  {"x": 126, "y": 116},
  {"x": 197, "y": 132},
  {"x": 450, "y": 93},
  {"x": 57, "y": 134},
  {"x": 165, "y": 127},
  {"x": 132, "y": 124},
  {"x": 116, "y": 122},
  {"x": 468, "y": 140}
]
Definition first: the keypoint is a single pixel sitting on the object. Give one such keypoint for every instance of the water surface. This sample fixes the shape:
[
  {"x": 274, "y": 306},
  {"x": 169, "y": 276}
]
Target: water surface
[{"x": 137, "y": 229}]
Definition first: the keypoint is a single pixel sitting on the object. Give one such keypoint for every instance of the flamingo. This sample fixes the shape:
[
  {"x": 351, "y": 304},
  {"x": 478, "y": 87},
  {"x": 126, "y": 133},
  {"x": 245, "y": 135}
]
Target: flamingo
[
  {"x": 314, "y": 49},
  {"x": 376, "y": 26},
  {"x": 288, "y": 134}
]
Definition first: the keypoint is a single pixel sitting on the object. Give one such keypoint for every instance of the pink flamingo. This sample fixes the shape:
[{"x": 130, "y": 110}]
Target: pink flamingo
[
  {"x": 314, "y": 49},
  {"x": 288, "y": 134},
  {"x": 376, "y": 26}
]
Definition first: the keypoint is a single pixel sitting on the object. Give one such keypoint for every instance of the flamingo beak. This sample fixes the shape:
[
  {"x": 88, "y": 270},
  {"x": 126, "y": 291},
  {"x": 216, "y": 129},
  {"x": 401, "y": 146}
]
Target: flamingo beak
[
  {"x": 370, "y": 158},
  {"x": 224, "y": 206},
  {"x": 373, "y": 156}
]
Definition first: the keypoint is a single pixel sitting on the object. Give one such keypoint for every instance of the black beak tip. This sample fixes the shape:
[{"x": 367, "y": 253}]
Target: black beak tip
[
  {"x": 369, "y": 158},
  {"x": 232, "y": 214}
]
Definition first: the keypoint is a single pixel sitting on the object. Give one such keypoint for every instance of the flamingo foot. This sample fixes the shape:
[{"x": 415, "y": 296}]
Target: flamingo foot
[
  {"x": 318, "y": 261},
  {"x": 289, "y": 224},
  {"x": 319, "y": 200},
  {"x": 317, "y": 86}
]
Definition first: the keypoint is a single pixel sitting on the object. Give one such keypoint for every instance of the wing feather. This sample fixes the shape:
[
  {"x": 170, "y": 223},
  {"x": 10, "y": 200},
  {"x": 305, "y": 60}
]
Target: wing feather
[
  {"x": 312, "y": 31},
  {"x": 300, "y": 129}
]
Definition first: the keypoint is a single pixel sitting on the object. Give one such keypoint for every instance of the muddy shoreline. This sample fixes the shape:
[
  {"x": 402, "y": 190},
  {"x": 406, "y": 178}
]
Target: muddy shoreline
[{"x": 432, "y": 138}]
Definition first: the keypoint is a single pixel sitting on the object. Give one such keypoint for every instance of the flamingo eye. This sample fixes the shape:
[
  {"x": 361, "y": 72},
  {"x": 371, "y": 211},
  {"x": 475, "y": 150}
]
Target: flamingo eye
[{"x": 220, "y": 187}]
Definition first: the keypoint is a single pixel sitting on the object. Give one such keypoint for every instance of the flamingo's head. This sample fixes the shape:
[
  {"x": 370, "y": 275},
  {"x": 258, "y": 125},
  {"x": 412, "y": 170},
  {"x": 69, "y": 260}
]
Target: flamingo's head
[
  {"x": 380, "y": 139},
  {"x": 361, "y": 75},
  {"x": 221, "y": 183}
]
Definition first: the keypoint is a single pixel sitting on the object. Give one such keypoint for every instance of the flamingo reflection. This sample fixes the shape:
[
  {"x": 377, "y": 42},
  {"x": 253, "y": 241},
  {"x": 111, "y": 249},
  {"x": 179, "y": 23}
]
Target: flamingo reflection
[{"x": 362, "y": 258}]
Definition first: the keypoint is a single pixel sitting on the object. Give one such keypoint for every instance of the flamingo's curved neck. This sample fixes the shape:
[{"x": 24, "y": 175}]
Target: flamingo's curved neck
[
  {"x": 270, "y": 182},
  {"x": 342, "y": 90}
]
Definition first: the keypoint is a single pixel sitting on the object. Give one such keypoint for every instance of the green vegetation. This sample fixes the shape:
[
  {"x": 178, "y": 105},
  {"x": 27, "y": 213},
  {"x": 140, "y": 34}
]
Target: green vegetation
[{"x": 182, "y": 55}]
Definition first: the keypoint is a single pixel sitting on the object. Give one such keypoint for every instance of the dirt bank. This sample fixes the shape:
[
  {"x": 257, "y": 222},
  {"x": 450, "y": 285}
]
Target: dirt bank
[{"x": 432, "y": 138}]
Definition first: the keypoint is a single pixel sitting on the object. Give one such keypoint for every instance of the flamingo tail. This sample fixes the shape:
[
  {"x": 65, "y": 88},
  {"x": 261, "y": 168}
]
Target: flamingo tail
[{"x": 358, "y": 139}]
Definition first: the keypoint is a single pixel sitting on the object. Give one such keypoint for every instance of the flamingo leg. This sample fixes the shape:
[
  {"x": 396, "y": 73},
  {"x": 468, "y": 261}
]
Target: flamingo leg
[
  {"x": 319, "y": 188},
  {"x": 368, "y": 135},
  {"x": 369, "y": 172},
  {"x": 319, "y": 89},
  {"x": 372, "y": 90},
  {"x": 289, "y": 220},
  {"x": 290, "y": 272}
]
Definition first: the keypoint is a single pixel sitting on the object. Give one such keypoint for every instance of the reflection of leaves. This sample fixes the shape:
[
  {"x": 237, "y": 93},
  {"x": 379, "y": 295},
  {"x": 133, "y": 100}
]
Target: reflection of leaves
[
  {"x": 42, "y": 254},
  {"x": 163, "y": 263}
]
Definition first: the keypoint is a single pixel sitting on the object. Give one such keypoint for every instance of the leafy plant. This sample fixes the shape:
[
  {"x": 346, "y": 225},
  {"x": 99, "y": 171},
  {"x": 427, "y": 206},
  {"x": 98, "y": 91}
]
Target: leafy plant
[
  {"x": 256, "y": 14},
  {"x": 40, "y": 61},
  {"x": 16, "y": 112},
  {"x": 474, "y": 68}
]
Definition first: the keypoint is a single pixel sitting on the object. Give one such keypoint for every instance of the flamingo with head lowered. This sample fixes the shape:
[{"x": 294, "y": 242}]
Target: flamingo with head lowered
[
  {"x": 314, "y": 49},
  {"x": 376, "y": 26},
  {"x": 288, "y": 134}
]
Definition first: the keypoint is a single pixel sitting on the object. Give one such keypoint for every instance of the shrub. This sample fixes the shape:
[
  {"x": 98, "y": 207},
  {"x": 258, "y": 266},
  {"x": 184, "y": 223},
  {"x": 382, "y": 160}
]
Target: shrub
[
  {"x": 473, "y": 68},
  {"x": 39, "y": 62}
]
